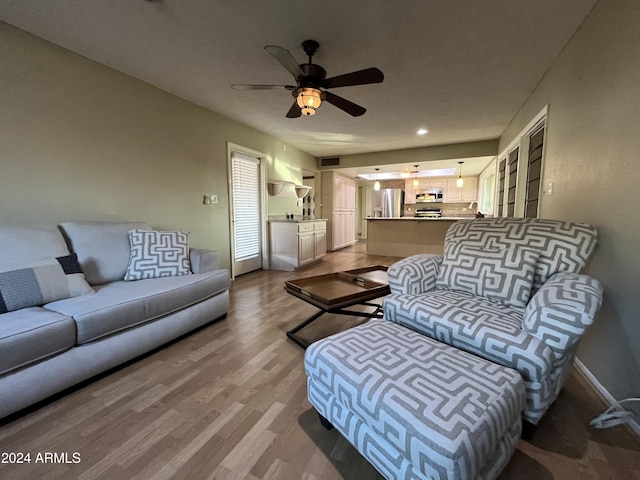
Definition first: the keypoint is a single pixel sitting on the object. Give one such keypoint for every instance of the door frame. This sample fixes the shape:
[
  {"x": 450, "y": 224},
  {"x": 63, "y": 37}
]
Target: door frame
[{"x": 264, "y": 245}]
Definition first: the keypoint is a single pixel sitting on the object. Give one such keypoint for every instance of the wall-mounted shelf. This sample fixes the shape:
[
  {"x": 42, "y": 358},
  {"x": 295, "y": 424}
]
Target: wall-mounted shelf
[
  {"x": 302, "y": 190},
  {"x": 287, "y": 190}
]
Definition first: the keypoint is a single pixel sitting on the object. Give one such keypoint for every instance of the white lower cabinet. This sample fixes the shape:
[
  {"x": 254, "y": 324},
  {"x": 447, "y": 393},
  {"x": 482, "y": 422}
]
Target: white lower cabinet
[
  {"x": 296, "y": 244},
  {"x": 306, "y": 248},
  {"x": 321, "y": 244}
]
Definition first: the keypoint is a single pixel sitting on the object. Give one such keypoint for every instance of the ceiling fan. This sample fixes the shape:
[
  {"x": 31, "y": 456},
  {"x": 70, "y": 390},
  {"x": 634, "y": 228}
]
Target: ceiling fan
[{"x": 311, "y": 84}]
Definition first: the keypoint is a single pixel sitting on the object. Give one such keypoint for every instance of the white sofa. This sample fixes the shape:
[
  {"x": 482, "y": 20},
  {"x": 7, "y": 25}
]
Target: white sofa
[
  {"x": 508, "y": 290},
  {"x": 101, "y": 322}
]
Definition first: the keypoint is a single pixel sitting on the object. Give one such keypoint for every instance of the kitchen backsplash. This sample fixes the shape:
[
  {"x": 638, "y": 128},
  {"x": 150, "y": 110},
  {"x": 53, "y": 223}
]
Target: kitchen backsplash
[
  {"x": 448, "y": 209},
  {"x": 392, "y": 184}
]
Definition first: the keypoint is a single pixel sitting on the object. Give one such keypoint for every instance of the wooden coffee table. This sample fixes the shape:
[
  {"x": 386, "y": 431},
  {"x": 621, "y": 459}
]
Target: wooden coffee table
[{"x": 335, "y": 292}]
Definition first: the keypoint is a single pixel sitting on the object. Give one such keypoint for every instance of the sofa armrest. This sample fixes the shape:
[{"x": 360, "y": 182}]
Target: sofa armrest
[
  {"x": 203, "y": 260},
  {"x": 415, "y": 274},
  {"x": 563, "y": 308}
]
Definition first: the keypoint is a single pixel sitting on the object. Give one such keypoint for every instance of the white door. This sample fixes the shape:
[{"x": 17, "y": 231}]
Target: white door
[{"x": 245, "y": 213}]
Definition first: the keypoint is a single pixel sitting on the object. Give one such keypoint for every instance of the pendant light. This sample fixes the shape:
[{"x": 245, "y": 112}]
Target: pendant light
[
  {"x": 376, "y": 184},
  {"x": 460, "y": 181},
  {"x": 416, "y": 182}
]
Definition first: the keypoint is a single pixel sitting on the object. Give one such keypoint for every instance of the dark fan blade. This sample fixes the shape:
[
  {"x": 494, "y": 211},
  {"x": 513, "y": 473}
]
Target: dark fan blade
[
  {"x": 361, "y": 77},
  {"x": 344, "y": 104},
  {"x": 286, "y": 60},
  {"x": 294, "y": 111},
  {"x": 243, "y": 86}
]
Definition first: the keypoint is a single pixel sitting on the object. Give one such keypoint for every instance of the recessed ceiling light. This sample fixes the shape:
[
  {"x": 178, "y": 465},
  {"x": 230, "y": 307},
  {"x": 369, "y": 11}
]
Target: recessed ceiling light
[{"x": 422, "y": 131}]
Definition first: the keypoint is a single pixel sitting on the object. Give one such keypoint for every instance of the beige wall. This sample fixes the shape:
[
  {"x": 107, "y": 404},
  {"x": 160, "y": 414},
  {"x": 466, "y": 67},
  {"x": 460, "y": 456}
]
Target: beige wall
[
  {"x": 81, "y": 141},
  {"x": 593, "y": 159}
]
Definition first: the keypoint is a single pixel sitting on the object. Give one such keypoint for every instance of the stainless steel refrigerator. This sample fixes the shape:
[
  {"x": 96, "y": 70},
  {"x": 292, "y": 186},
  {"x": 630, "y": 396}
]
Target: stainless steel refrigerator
[{"x": 388, "y": 202}]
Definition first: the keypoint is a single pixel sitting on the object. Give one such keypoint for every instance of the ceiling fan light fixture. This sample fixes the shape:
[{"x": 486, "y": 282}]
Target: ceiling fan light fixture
[{"x": 308, "y": 99}]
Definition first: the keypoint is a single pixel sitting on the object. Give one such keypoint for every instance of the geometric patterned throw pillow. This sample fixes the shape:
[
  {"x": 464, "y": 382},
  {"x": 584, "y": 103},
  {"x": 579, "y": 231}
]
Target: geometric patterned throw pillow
[
  {"x": 42, "y": 282},
  {"x": 500, "y": 275},
  {"x": 157, "y": 254}
]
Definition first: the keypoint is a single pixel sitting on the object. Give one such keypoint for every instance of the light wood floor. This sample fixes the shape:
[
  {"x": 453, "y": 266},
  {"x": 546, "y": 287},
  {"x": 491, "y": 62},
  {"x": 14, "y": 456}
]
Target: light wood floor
[{"x": 229, "y": 401}]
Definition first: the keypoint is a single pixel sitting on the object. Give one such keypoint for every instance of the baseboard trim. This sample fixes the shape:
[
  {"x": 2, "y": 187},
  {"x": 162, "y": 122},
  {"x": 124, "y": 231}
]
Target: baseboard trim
[{"x": 602, "y": 392}]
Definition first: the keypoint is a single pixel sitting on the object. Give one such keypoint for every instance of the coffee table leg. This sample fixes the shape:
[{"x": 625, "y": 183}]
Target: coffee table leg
[
  {"x": 375, "y": 314},
  {"x": 292, "y": 333}
]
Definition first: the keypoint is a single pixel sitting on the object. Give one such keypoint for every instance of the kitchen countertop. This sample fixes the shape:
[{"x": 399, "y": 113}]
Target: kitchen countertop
[{"x": 296, "y": 220}]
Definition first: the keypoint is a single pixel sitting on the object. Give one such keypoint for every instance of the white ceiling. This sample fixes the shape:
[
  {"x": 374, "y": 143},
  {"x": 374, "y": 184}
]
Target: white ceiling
[{"x": 461, "y": 69}]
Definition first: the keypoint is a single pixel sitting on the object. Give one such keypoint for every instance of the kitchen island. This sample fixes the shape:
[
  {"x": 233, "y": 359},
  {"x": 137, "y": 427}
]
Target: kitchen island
[{"x": 404, "y": 236}]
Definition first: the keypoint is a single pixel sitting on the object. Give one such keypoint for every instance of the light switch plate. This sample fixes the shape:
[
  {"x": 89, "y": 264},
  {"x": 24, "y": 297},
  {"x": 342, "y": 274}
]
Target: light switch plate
[{"x": 210, "y": 199}]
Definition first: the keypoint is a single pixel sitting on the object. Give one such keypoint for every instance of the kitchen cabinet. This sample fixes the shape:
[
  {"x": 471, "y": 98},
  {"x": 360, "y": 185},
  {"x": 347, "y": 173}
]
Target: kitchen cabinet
[
  {"x": 468, "y": 193},
  {"x": 296, "y": 244},
  {"x": 339, "y": 205},
  {"x": 409, "y": 192},
  {"x": 306, "y": 248},
  {"x": 425, "y": 185},
  {"x": 320, "y": 238}
]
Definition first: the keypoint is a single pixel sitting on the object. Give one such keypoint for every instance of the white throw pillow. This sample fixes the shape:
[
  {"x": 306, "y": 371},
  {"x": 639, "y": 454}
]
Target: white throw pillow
[
  {"x": 500, "y": 275},
  {"x": 157, "y": 254}
]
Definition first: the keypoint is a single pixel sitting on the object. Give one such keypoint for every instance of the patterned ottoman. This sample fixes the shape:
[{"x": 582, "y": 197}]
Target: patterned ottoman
[{"x": 414, "y": 407}]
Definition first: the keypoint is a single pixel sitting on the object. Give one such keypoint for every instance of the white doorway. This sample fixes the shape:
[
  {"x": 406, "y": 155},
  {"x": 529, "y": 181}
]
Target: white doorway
[{"x": 247, "y": 212}]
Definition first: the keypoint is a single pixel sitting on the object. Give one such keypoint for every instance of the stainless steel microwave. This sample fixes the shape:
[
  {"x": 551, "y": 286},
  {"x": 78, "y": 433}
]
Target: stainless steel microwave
[{"x": 431, "y": 196}]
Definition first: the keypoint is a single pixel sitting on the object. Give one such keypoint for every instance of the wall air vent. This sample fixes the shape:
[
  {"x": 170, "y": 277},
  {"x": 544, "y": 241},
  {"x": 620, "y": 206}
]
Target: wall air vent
[{"x": 330, "y": 162}]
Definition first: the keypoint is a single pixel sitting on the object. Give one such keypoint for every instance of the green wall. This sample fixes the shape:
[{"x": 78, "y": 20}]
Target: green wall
[{"x": 81, "y": 141}]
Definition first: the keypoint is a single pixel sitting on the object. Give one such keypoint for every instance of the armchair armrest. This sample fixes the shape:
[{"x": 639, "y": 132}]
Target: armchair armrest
[
  {"x": 563, "y": 308},
  {"x": 415, "y": 274},
  {"x": 203, "y": 260}
]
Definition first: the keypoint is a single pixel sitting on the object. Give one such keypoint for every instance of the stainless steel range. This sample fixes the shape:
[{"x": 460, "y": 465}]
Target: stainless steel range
[{"x": 428, "y": 213}]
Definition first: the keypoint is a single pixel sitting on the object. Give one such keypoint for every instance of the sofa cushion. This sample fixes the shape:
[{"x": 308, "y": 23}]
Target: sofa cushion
[
  {"x": 42, "y": 282},
  {"x": 490, "y": 330},
  {"x": 32, "y": 334},
  {"x": 120, "y": 305},
  {"x": 501, "y": 275},
  {"x": 44, "y": 243},
  {"x": 102, "y": 248},
  {"x": 157, "y": 254}
]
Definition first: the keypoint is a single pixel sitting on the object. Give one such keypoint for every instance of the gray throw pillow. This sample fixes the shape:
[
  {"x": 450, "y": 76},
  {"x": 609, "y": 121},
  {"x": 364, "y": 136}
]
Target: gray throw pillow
[{"x": 42, "y": 282}]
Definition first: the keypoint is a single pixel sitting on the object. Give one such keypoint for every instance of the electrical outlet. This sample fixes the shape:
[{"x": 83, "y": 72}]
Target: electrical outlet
[{"x": 550, "y": 188}]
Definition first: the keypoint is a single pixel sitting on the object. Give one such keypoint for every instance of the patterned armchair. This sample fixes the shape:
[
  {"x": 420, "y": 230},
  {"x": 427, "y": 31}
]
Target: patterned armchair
[{"x": 508, "y": 290}]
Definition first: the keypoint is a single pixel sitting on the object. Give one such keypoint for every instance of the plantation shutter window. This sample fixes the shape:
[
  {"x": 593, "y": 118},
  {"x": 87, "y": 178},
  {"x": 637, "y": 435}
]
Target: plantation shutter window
[
  {"x": 512, "y": 176},
  {"x": 246, "y": 206},
  {"x": 534, "y": 171}
]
